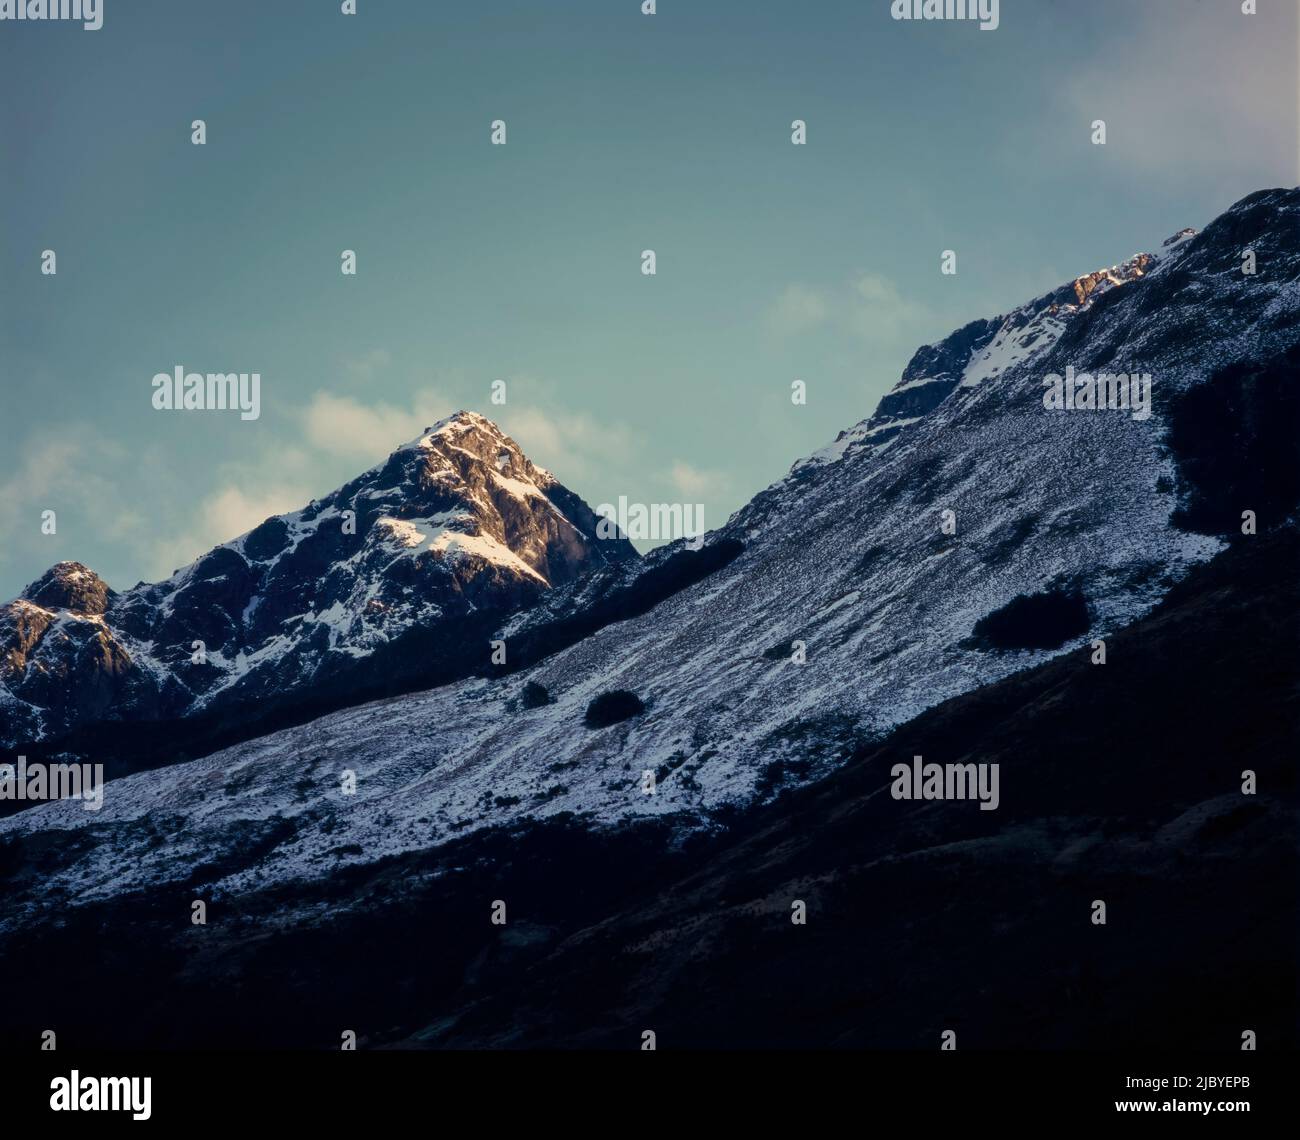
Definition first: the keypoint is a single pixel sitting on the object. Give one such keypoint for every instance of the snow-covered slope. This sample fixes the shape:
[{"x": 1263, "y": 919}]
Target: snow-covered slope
[{"x": 847, "y": 555}]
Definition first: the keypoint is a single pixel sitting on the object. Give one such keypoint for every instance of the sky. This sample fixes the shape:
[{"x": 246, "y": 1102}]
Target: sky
[{"x": 478, "y": 262}]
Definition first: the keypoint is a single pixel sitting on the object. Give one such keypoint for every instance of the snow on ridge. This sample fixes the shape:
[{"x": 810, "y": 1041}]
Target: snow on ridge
[
  {"x": 920, "y": 382},
  {"x": 834, "y": 450},
  {"x": 24, "y": 604},
  {"x": 445, "y": 537},
  {"x": 402, "y": 531},
  {"x": 516, "y": 487},
  {"x": 1010, "y": 346},
  {"x": 486, "y": 547},
  {"x": 453, "y": 425},
  {"x": 1015, "y": 342}
]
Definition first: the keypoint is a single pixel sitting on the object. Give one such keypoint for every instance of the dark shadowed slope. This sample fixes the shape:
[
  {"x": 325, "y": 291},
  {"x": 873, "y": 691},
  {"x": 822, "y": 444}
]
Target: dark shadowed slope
[{"x": 1120, "y": 782}]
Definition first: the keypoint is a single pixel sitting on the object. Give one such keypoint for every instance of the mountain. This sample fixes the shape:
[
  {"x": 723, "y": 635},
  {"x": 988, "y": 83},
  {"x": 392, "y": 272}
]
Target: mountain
[
  {"x": 1120, "y": 782},
  {"x": 306, "y": 610},
  {"x": 838, "y": 605}
]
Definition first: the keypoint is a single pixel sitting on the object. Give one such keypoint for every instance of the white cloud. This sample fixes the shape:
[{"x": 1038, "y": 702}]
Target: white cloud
[
  {"x": 694, "y": 483},
  {"x": 46, "y": 469},
  {"x": 367, "y": 366},
  {"x": 575, "y": 445},
  {"x": 344, "y": 426},
  {"x": 59, "y": 472},
  {"x": 221, "y": 516},
  {"x": 1192, "y": 91},
  {"x": 877, "y": 311},
  {"x": 799, "y": 309},
  {"x": 867, "y": 306}
]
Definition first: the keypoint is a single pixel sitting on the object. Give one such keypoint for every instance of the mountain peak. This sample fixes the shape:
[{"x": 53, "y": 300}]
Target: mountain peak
[
  {"x": 456, "y": 425},
  {"x": 454, "y": 446},
  {"x": 470, "y": 435},
  {"x": 359, "y": 589},
  {"x": 463, "y": 420},
  {"x": 70, "y": 586},
  {"x": 1102, "y": 279}
]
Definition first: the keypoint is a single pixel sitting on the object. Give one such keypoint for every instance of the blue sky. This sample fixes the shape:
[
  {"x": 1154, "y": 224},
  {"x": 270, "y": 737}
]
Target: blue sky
[{"x": 477, "y": 263}]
